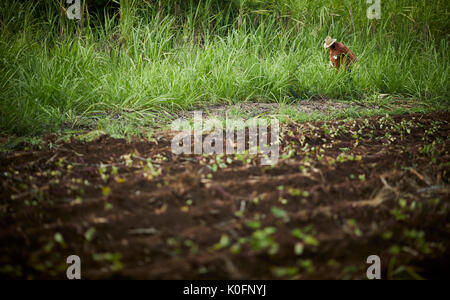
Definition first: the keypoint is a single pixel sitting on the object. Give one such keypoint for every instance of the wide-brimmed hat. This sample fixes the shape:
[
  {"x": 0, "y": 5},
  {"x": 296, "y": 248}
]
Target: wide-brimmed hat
[{"x": 328, "y": 42}]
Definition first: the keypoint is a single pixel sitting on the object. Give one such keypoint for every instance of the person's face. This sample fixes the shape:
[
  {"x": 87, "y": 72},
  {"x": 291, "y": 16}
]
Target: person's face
[{"x": 332, "y": 47}]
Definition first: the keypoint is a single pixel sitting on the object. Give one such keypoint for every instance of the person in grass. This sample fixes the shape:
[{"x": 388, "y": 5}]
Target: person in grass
[{"x": 339, "y": 54}]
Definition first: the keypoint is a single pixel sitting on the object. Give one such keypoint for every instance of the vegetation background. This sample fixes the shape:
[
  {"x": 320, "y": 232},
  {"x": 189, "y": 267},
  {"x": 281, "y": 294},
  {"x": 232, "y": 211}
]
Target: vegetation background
[{"x": 125, "y": 62}]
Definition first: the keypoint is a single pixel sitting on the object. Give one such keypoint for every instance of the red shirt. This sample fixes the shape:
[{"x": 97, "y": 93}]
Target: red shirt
[{"x": 341, "y": 54}]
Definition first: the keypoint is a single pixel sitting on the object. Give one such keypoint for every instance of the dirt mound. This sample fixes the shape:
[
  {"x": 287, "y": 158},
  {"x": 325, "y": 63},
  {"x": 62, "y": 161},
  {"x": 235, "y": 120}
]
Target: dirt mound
[{"x": 342, "y": 191}]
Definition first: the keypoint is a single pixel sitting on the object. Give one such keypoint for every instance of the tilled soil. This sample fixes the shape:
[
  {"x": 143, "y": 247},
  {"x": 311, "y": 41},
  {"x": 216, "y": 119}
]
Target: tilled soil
[{"x": 341, "y": 191}]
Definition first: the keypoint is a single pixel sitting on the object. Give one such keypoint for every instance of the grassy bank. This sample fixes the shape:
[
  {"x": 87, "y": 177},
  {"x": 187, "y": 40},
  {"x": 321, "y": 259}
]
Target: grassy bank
[{"x": 153, "y": 57}]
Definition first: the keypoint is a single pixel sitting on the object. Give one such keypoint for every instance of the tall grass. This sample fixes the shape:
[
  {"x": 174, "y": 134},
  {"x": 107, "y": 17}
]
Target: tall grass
[{"x": 154, "y": 56}]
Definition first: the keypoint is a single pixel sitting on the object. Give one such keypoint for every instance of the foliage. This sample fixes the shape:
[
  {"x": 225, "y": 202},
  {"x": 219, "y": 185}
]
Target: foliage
[{"x": 134, "y": 59}]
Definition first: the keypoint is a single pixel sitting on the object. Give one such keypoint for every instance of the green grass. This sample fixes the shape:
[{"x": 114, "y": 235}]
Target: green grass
[{"x": 121, "y": 72}]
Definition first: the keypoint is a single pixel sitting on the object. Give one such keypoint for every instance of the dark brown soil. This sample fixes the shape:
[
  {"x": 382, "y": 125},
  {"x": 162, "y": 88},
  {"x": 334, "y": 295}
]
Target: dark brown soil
[{"x": 342, "y": 191}]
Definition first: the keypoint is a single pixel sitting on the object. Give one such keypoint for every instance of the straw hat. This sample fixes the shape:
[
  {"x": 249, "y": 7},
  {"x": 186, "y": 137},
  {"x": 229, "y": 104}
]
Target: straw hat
[{"x": 328, "y": 42}]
